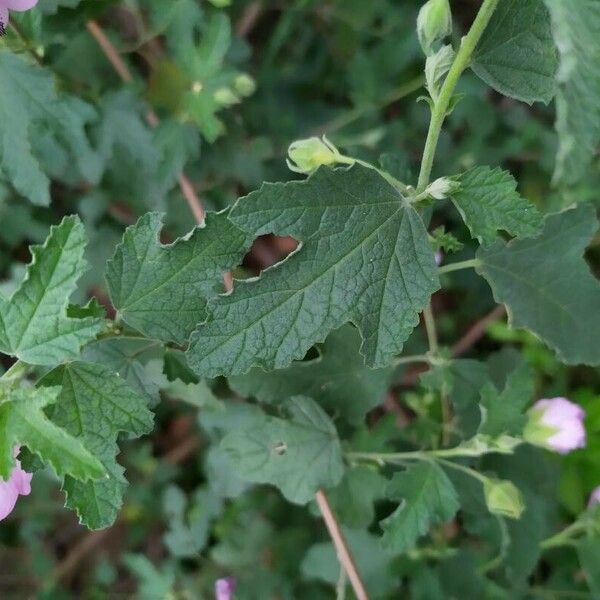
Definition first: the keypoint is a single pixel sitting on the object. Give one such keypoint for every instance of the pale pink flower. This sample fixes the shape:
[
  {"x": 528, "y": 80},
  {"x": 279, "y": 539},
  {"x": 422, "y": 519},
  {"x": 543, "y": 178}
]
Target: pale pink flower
[
  {"x": 557, "y": 424},
  {"x": 224, "y": 588},
  {"x": 594, "y": 497},
  {"x": 18, "y": 484},
  {"x": 17, "y": 5}
]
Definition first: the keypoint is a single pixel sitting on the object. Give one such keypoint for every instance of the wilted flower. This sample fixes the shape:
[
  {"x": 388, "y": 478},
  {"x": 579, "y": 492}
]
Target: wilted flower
[
  {"x": 594, "y": 497},
  {"x": 18, "y": 484},
  {"x": 556, "y": 424},
  {"x": 224, "y": 588},
  {"x": 18, "y": 5},
  {"x": 305, "y": 156}
]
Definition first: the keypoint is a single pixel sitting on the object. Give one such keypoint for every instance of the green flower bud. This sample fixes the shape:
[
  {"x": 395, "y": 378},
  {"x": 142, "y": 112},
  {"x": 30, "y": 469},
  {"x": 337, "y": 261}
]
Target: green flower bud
[
  {"x": 305, "y": 156},
  {"x": 225, "y": 97},
  {"x": 433, "y": 24},
  {"x": 244, "y": 85},
  {"x": 503, "y": 498}
]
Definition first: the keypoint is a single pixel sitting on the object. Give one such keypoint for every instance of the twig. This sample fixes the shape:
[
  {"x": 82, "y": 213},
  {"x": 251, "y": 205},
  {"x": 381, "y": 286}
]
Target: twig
[
  {"x": 477, "y": 331},
  {"x": 248, "y": 19},
  {"x": 111, "y": 53},
  {"x": 341, "y": 546}
]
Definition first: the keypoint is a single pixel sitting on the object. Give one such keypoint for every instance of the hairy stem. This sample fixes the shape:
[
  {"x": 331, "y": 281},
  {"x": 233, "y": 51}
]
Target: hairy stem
[{"x": 440, "y": 109}]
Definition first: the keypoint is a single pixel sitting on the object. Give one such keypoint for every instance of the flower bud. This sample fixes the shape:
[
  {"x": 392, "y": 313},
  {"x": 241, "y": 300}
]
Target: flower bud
[
  {"x": 433, "y": 24},
  {"x": 503, "y": 498},
  {"x": 244, "y": 85},
  {"x": 441, "y": 188},
  {"x": 225, "y": 97},
  {"x": 305, "y": 156},
  {"x": 556, "y": 424}
]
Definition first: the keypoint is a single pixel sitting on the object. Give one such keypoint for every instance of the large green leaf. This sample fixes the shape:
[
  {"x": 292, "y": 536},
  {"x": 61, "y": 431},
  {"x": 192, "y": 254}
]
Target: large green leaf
[
  {"x": 34, "y": 325},
  {"x": 516, "y": 54},
  {"x": 29, "y": 104},
  {"x": 576, "y": 30},
  {"x": 338, "y": 380},
  {"x": 23, "y": 422},
  {"x": 428, "y": 498},
  {"x": 365, "y": 257},
  {"x": 299, "y": 455},
  {"x": 96, "y": 405},
  {"x": 488, "y": 201},
  {"x": 162, "y": 290},
  {"x": 547, "y": 286}
]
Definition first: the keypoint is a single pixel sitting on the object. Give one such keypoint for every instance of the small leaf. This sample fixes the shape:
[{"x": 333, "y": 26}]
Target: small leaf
[
  {"x": 24, "y": 423},
  {"x": 488, "y": 202},
  {"x": 162, "y": 290},
  {"x": 428, "y": 498},
  {"x": 364, "y": 257},
  {"x": 516, "y": 55},
  {"x": 503, "y": 413},
  {"x": 547, "y": 285},
  {"x": 27, "y": 98},
  {"x": 338, "y": 380},
  {"x": 95, "y": 405},
  {"x": 589, "y": 550},
  {"x": 299, "y": 455},
  {"x": 34, "y": 325},
  {"x": 576, "y": 29}
]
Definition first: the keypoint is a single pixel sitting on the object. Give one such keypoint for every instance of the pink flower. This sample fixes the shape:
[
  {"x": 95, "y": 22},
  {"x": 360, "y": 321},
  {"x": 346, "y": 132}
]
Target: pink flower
[
  {"x": 556, "y": 424},
  {"x": 224, "y": 588},
  {"x": 18, "y": 5},
  {"x": 594, "y": 497},
  {"x": 18, "y": 484}
]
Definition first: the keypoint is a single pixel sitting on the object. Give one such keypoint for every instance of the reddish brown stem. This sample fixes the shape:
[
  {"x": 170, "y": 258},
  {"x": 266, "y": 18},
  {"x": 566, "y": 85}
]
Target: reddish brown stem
[{"x": 341, "y": 546}]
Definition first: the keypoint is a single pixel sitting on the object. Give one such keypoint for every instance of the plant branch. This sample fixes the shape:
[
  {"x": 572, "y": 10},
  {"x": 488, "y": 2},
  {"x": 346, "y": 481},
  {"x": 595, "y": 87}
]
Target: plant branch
[
  {"x": 341, "y": 546},
  {"x": 440, "y": 109},
  {"x": 459, "y": 266}
]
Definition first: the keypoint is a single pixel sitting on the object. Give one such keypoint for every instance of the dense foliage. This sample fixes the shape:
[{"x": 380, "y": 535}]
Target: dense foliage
[{"x": 299, "y": 299}]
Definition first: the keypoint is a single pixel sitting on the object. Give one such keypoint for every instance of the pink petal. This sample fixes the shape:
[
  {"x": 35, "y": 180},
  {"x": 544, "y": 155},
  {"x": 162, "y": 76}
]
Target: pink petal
[
  {"x": 19, "y": 5},
  {"x": 3, "y": 16},
  {"x": 224, "y": 588},
  {"x": 8, "y": 498},
  {"x": 595, "y": 497}
]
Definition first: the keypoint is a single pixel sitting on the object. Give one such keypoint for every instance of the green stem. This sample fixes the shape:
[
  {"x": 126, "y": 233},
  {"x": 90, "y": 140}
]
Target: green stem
[
  {"x": 463, "y": 469},
  {"x": 432, "y": 338},
  {"x": 404, "y": 360},
  {"x": 392, "y": 457},
  {"x": 459, "y": 266},
  {"x": 564, "y": 537},
  {"x": 461, "y": 62},
  {"x": 353, "y": 115},
  {"x": 396, "y": 183}
]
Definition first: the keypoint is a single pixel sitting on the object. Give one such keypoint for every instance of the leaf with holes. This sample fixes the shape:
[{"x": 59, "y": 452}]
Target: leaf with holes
[
  {"x": 364, "y": 257},
  {"x": 161, "y": 290},
  {"x": 547, "y": 286},
  {"x": 299, "y": 455},
  {"x": 95, "y": 405},
  {"x": 34, "y": 325}
]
